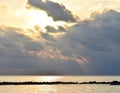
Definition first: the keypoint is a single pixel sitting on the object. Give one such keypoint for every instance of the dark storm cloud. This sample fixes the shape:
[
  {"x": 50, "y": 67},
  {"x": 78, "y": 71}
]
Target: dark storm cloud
[{"x": 53, "y": 9}]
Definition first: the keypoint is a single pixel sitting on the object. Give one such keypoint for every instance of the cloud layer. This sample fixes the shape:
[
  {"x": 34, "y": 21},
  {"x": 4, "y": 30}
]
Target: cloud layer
[
  {"x": 21, "y": 54},
  {"x": 57, "y": 11},
  {"x": 99, "y": 40},
  {"x": 88, "y": 47}
]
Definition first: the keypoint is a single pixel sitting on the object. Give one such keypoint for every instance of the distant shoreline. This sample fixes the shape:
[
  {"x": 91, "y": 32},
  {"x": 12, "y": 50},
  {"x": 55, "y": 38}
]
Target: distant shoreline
[{"x": 58, "y": 82}]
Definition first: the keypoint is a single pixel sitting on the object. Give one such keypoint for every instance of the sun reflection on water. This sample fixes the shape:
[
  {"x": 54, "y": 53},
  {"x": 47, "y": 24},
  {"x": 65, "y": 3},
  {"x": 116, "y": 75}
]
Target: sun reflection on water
[{"x": 46, "y": 89}]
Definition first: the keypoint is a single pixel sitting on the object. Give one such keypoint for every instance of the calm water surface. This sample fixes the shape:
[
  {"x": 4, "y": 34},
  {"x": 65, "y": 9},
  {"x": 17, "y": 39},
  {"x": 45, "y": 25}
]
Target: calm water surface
[{"x": 59, "y": 88}]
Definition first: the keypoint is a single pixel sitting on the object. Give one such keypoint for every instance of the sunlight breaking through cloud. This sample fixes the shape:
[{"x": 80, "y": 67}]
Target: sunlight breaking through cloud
[
  {"x": 50, "y": 40},
  {"x": 57, "y": 54}
]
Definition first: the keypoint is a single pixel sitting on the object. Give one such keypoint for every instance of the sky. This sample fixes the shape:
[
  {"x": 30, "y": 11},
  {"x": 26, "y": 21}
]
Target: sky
[{"x": 59, "y": 37}]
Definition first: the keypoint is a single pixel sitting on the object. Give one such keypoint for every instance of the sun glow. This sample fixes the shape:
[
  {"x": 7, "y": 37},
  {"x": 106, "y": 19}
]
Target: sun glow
[
  {"x": 50, "y": 78},
  {"x": 34, "y": 17},
  {"x": 39, "y": 18}
]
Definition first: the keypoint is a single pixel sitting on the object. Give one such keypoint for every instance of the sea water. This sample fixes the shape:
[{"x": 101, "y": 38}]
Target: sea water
[{"x": 75, "y": 88}]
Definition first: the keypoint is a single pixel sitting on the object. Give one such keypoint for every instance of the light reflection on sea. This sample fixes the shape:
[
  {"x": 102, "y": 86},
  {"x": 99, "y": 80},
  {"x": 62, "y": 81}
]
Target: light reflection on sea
[{"x": 59, "y": 88}]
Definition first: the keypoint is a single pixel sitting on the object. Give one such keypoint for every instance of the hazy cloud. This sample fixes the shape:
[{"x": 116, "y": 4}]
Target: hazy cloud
[{"x": 53, "y": 9}]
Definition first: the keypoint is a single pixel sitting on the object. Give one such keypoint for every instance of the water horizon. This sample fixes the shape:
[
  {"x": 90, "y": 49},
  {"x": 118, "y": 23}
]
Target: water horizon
[{"x": 66, "y": 88}]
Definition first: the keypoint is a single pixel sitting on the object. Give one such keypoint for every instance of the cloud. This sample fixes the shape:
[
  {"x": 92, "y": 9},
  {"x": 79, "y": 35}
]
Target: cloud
[
  {"x": 51, "y": 29},
  {"x": 57, "y": 11},
  {"x": 13, "y": 51},
  {"x": 99, "y": 40},
  {"x": 20, "y": 54},
  {"x": 88, "y": 47}
]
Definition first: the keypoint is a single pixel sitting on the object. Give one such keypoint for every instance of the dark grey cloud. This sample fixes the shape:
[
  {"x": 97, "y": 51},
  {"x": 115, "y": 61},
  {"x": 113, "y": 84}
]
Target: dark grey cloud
[
  {"x": 53, "y": 9},
  {"x": 98, "y": 39},
  {"x": 13, "y": 51},
  {"x": 51, "y": 29}
]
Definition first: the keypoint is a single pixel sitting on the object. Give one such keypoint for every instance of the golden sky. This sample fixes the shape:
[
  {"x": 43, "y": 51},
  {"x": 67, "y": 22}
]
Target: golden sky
[
  {"x": 15, "y": 11},
  {"x": 15, "y": 14}
]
